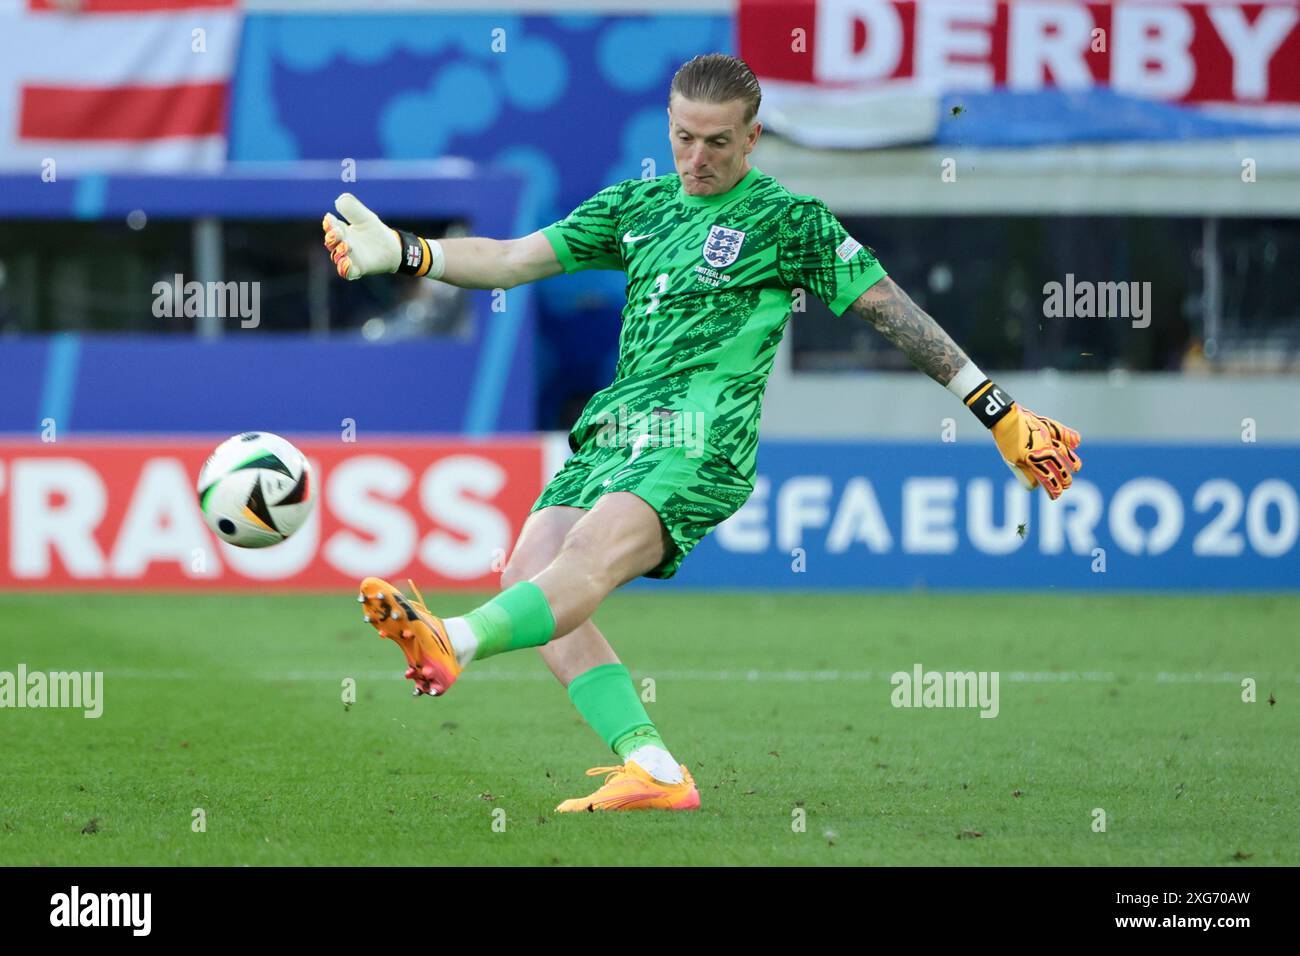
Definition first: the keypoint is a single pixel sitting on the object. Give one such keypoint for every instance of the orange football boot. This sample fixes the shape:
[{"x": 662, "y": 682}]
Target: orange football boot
[
  {"x": 419, "y": 633},
  {"x": 630, "y": 787}
]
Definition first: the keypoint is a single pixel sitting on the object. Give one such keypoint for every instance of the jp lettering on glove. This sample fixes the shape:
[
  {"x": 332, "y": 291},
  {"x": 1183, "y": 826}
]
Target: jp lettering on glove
[{"x": 1039, "y": 450}]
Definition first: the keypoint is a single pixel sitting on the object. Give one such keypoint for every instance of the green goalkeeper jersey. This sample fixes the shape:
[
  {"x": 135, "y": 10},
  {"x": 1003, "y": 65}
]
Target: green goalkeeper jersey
[{"x": 711, "y": 282}]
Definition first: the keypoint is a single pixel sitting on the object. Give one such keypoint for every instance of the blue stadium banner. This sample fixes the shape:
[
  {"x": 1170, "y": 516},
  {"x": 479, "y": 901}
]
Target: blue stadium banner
[{"x": 932, "y": 515}]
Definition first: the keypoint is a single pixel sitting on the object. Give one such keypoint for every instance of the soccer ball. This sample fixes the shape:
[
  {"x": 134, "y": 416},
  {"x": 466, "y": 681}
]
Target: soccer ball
[{"x": 255, "y": 490}]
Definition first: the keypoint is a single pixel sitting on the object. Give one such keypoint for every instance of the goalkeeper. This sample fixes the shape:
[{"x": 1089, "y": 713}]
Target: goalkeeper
[{"x": 712, "y": 255}]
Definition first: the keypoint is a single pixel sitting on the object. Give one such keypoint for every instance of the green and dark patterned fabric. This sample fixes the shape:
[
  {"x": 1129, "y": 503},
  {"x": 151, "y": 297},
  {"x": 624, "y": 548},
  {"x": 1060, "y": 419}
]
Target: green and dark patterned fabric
[
  {"x": 691, "y": 495},
  {"x": 711, "y": 281}
]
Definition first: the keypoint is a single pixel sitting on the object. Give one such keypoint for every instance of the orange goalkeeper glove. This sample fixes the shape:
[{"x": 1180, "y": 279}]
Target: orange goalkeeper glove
[{"x": 1039, "y": 450}]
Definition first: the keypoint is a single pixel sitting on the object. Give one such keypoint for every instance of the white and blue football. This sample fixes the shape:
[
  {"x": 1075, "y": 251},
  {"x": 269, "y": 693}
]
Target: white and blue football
[{"x": 255, "y": 490}]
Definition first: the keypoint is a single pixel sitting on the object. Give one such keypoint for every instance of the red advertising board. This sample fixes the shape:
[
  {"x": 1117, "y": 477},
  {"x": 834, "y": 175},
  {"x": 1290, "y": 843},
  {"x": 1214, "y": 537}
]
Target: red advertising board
[
  {"x": 123, "y": 513},
  {"x": 1225, "y": 51}
]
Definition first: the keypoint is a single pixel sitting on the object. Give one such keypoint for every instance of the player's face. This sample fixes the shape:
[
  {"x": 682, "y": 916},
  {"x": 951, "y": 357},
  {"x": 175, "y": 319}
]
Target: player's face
[{"x": 711, "y": 144}]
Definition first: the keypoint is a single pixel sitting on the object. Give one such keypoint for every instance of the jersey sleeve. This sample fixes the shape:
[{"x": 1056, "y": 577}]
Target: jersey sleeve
[
  {"x": 817, "y": 253},
  {"x": 587, "y": 238}
]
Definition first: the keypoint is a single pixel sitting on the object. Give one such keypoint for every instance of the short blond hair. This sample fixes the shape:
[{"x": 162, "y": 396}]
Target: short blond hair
[{"x": 718, "y": 78}]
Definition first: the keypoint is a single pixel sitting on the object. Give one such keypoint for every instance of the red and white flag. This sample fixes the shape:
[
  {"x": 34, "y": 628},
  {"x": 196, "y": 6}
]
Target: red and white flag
[{"x": 101, "y": 85}]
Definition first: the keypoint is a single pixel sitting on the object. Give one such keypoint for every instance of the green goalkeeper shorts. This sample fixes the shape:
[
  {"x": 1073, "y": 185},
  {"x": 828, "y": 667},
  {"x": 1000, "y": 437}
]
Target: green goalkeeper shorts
[{"x": 691, "y": 492}]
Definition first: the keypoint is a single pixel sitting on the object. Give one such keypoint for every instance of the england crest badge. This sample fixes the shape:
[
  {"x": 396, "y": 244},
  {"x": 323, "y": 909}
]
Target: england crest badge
[{"x": 723, "y": 246}]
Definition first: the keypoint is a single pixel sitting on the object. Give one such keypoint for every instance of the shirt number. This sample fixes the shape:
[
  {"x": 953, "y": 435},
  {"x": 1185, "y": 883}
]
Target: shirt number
[{"x": 661, "y": 286}]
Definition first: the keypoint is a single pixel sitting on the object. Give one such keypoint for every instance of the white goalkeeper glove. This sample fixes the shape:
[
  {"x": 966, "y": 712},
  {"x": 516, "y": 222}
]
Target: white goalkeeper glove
[{"x": 361, "y": 245}]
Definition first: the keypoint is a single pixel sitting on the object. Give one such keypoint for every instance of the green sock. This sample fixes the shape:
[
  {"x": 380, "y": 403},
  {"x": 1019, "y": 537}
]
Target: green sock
[
  {"x": 607, "y": 700},
  {"x": 517, "y": 617}
]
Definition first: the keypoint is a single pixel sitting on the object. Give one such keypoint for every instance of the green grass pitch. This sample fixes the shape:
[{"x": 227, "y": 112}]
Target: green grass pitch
[{"x": 233, "y": 705}]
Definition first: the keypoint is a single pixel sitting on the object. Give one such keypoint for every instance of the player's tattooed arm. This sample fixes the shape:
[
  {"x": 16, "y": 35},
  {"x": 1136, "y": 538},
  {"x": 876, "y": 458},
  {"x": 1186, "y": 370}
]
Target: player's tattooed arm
[{"x": 903, "y": 322}]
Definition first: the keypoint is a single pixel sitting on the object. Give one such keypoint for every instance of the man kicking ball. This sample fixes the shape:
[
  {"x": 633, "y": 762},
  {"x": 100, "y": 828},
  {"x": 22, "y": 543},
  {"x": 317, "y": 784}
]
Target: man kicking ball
[{"x": 712, "y": 256}]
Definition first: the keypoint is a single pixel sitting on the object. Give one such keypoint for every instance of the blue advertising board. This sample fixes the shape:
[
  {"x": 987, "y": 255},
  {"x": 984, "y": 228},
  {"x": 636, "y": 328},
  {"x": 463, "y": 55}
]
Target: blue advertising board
[{"x": 951, "y": 516}]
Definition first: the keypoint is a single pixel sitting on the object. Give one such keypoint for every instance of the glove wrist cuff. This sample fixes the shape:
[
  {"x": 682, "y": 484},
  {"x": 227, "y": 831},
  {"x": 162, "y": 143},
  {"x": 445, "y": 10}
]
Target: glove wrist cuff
[
  {"x": 419, "y": 257},
  {"x": 414, "y": 258},
  {"x": 990, "y": 403}
]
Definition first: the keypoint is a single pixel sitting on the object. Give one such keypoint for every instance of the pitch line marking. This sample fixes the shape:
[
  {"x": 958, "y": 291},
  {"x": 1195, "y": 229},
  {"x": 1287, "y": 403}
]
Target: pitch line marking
[{"x": 738, "y": 676}]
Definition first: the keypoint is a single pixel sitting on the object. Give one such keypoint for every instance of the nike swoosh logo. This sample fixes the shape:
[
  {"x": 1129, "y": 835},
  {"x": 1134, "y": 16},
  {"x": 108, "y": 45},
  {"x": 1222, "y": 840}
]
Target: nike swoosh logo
[{"x": 628, "y": 237}]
